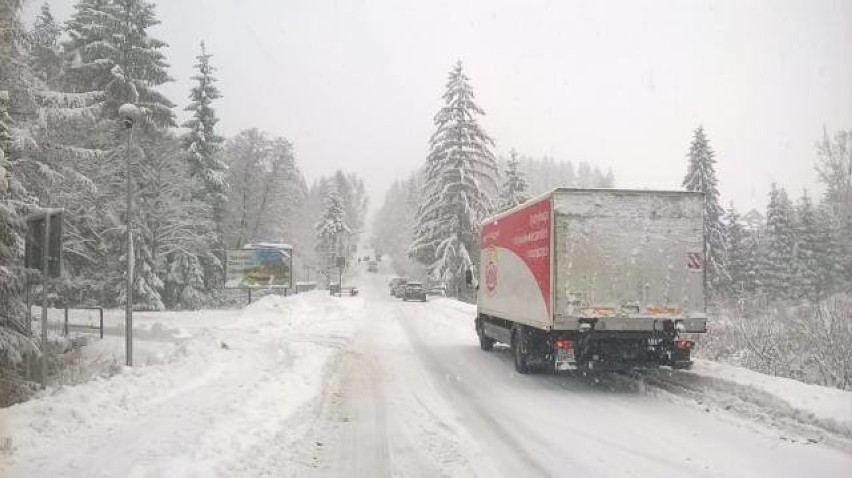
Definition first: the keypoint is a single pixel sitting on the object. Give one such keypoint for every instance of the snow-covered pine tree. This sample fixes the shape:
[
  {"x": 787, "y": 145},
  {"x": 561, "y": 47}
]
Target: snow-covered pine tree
[
  {"x": 179, "y": 225},
  {"x": 835, "y": 171},
  {"x": 393, "y": 224},
  {"x": 779, "y": 240},
  {"x": 354, "y": 195},
  {"x": 460, "y": 176},
  {"x": 201, "y": 141},
  {"x": 736, "y": 254},
  {"x": 701, "y": 176},
  {"x": 45, "y": 53},
  {"x": 806, "y": 261},
  {"x": 14, "y": 202},
  {"x": 832, "y": 258},
  {"x": 111, "y": 51},
  {"x": 514, "y": 190},
  {"x": 203, "y": 147},
  {"x": 331, "y": 230}
]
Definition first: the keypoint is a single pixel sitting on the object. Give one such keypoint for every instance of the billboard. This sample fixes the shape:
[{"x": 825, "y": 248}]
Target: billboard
[{"x": 259, "y": 268}]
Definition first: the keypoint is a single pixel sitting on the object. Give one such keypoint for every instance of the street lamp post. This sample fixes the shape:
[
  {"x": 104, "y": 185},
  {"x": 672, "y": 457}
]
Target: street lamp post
[{"x": 129, "y": 113}]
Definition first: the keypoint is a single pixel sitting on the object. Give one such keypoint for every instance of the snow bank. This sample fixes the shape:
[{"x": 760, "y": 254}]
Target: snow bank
[
  {"x": 826, "y": 406},
  {"x": 216, "y": 392}
]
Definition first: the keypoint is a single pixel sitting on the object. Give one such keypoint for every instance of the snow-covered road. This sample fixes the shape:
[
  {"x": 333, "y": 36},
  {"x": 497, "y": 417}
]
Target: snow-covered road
[
  {"x": 415, "y": 396},
  {"x": 372, "y": 386}
]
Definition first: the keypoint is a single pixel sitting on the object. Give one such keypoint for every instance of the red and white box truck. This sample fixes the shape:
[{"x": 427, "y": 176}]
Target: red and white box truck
[{"x": 594, "y": 279}]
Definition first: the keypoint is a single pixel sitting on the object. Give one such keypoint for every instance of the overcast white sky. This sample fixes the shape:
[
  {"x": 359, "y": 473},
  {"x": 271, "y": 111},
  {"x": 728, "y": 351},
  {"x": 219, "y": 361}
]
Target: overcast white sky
[{"x": 621, "y": 84}]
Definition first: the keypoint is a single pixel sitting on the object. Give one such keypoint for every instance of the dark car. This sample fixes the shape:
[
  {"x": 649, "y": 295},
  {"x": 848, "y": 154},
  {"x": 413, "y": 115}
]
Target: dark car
[
  {"x": 396, "y": 286},
  {"x": 414, "y": 291}
]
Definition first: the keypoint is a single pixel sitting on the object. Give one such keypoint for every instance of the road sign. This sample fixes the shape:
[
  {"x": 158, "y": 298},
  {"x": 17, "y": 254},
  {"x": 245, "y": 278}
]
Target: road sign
[
  {"x": 261, "y": 268},
  {"x": 35, "y": 242}
]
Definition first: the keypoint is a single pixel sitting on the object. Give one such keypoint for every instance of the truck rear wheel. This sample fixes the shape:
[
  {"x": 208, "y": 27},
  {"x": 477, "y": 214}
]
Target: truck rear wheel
[{"x": 486, "y": 343}]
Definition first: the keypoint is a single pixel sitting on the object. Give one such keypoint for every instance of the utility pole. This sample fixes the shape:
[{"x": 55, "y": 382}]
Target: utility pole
[{"x": 128, "y": 114}]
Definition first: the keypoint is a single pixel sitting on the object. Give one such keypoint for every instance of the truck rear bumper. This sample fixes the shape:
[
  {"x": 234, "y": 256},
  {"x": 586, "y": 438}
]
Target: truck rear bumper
[{"x": 633, "y": 324}]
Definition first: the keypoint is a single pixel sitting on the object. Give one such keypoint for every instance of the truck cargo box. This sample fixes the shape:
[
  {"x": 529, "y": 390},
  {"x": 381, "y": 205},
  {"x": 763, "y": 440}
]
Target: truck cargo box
[{"x": 623, "y": 259}]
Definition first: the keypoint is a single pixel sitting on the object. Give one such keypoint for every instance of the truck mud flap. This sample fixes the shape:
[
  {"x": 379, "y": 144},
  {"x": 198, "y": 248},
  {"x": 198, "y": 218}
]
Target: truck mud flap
[{"x": 500, "y": 334}]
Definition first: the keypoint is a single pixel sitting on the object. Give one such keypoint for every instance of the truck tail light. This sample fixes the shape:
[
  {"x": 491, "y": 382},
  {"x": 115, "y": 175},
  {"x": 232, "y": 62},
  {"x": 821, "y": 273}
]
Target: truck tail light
[
  {"x": 683, "y": 344},
  {"x": 564, "y": 344}
]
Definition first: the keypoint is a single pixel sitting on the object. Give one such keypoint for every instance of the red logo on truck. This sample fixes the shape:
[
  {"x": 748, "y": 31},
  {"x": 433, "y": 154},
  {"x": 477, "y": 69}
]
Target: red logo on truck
[
  {"x": 491, "y": 270},
  {"x": 525, "y": 233}
]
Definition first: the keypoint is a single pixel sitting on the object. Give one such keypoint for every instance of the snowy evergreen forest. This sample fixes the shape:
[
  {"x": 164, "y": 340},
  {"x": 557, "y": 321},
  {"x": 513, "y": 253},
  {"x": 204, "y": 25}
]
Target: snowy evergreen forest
[
  {"x": 196, "y": 193},
  {"x": 778, "y": 280}
]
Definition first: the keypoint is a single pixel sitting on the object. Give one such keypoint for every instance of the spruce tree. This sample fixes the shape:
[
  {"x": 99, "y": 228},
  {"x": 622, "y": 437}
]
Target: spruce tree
[
  {"x": 737, "y": 254},
  {"x": 45, "y": 54},
  {"x": 354, "y": 195},
  {"x": 111, "y": 54},
  {"x": 15, "y": 201},
  {"x": 111, "y": 51},
  {"x": 201, "y": 141},
  {"x": 331, "y": 229},
  {"x": 203, "y": 147},
  {"x": 834, "y": 167},
  {"x": 514, "y": 190},
  {"x": 460, "y": 177},
  {"x": 806, "y": 260},
  {"x": 701, "y": 176},
  {"x": 777, "y": 255}
]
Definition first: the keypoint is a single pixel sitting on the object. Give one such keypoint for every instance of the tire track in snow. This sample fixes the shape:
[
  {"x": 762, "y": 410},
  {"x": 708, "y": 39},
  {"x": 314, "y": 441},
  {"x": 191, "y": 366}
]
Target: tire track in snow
[{"x": 515, "y": 460}]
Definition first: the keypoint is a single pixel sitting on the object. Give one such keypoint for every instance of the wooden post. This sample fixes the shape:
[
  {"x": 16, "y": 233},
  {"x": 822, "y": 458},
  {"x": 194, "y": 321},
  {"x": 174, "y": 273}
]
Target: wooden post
[
  {"x": 29, "y": 330},
  {"x": 102, "y": 321},
  {"x": 44, "y": 274},
  {"x": 65, "y": 324}
]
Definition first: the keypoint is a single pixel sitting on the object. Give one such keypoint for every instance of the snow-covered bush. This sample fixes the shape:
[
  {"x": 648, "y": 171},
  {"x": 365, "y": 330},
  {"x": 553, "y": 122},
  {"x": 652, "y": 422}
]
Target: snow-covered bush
[{"x": 811, "y": 343}]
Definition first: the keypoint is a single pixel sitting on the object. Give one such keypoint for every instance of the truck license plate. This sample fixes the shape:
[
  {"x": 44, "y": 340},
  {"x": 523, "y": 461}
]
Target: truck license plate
[
  {"x": 565, "y": 359},
  {"x": 565, "y": 355}
]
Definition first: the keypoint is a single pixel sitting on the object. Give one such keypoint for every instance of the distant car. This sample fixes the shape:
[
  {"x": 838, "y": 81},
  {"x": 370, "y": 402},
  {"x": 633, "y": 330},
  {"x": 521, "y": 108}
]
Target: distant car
[
  {"x": 414, "y": 291},
  {"x": 397, "y": 284},
  {"x": 372, "y": 266}
]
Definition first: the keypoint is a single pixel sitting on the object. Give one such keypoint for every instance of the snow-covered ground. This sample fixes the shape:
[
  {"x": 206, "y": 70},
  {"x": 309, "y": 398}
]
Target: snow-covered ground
[
  {"x": 226, "y": 383},
  {"x": 371, "y": 386}
]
